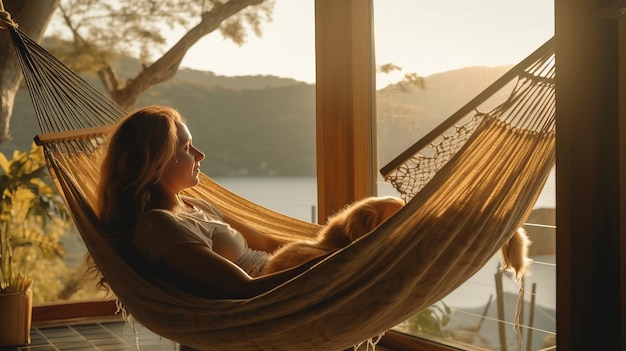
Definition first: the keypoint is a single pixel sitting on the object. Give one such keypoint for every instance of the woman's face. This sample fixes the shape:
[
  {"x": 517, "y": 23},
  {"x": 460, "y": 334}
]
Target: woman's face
[{"x": 183, "y": 168}]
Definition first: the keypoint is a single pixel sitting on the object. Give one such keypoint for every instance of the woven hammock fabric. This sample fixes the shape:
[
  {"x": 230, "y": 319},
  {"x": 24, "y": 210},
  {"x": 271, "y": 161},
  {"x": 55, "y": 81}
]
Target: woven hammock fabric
[{"x": 461, "y": 215}]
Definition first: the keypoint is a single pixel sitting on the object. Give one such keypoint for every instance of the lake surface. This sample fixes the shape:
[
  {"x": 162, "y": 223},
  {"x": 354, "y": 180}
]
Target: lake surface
[
  {"x": 292, "y": 196},
  {"x": 297, "y": 196}
]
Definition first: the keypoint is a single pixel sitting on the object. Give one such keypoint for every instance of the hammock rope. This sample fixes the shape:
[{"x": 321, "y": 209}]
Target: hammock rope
[
  {"x": 459, "y": 214},
  {"x": 529, "y": 105}
]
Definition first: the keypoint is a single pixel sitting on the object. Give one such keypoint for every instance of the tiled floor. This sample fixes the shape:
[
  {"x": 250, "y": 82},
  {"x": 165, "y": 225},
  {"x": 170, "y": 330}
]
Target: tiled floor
[{"x": 106, "y": 335}]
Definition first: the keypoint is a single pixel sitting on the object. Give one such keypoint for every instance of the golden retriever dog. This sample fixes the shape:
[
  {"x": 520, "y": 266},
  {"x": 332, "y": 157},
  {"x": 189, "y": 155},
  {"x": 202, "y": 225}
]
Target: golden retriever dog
[
  {"x": 351, "y": 223},
  {"x": 515, "y": 254},
  {"x": 362, "y": 217}
]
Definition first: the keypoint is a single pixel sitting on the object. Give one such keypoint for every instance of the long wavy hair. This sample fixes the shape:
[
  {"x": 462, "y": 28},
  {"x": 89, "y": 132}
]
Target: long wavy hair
[{"x": 138, "y": 152}]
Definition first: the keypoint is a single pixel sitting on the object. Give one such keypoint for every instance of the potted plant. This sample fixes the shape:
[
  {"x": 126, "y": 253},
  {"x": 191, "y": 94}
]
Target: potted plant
[{"x": 28, "y": 204}]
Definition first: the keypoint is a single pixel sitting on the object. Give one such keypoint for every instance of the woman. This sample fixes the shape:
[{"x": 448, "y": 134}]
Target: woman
[{"x": 150, "y": 160}]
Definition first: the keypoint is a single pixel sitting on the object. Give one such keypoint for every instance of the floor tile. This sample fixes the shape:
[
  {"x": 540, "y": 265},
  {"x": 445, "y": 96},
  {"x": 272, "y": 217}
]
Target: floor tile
[{"x": 96, "y": 336}]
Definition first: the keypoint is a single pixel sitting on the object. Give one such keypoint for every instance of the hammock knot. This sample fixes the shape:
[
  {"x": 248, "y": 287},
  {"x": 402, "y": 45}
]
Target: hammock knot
[{"x": 5, "y": 20}]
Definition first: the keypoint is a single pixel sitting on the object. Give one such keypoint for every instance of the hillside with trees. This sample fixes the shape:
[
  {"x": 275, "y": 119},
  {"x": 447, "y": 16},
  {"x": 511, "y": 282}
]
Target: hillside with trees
[{"x": 265, "y": 125}]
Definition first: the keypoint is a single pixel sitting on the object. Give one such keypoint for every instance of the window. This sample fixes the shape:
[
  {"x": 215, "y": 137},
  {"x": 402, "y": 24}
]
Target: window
[{"x": 433, "y": 58}]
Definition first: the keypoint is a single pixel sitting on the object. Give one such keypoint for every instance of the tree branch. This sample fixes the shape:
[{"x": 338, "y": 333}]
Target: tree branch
[
  {"x": 109, "y": 79},
  {"x": 166, "y": 67}
]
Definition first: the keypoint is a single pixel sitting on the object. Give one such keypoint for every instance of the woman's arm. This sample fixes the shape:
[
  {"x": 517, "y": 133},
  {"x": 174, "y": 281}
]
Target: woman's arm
[
  {"x": 256, "y": 239},
  {"x": 218, "y": 277},
  {"x": 159, "y": 235}
]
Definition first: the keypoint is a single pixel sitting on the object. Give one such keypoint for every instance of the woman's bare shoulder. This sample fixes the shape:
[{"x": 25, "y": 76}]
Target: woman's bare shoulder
[{"x": 156, "y": 219}]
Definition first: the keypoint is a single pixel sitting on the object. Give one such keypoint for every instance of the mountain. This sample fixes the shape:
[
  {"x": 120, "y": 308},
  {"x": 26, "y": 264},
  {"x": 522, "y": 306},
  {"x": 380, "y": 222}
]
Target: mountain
[
  {"x": 405, "y": 116},
  {"x": 265, "y": 125}
]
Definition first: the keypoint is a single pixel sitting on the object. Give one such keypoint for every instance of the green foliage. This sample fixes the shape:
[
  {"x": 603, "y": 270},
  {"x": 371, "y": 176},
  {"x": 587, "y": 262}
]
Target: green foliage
[
  {"x": 33, "y": 218},
  {"x": 431, "y": 321}
]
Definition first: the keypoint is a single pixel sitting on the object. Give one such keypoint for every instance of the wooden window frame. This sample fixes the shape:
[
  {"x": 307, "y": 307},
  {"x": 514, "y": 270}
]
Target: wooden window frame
[{"x": 345, "y": 103}]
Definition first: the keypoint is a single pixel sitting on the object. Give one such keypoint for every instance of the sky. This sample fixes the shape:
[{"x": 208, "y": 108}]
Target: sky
[{"x": 423, "y": 37}]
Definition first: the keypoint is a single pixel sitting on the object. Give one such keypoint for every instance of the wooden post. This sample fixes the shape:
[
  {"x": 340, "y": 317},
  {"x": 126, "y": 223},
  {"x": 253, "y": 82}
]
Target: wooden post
[
  {"x": 345, "y": 103},
  {"x": 501, "y": 316},
  {"x": 531, "y": 318}
]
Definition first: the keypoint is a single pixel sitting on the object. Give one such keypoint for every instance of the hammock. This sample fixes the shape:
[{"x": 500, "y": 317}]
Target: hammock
[{"x": 478, "y": 187}]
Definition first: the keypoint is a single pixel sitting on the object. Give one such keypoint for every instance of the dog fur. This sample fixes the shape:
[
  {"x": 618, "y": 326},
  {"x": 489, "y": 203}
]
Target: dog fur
[
  {"x": 515, "y": 254},
  {"x": 364, "y": 216},
  {"x": 340, "y": 230}
]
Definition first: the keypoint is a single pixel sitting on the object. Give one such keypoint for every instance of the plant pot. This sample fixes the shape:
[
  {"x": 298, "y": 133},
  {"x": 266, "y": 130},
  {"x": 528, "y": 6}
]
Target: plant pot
[{"x": 15, "y": 318}]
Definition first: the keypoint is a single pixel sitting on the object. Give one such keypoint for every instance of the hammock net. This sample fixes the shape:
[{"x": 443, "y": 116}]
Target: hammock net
[{"x": 465, "y": 199}]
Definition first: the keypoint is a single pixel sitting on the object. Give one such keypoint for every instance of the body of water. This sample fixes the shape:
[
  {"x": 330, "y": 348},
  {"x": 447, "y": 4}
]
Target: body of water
[
  {"x": 292, "y": 196},
  {"x": 297, "y": 196}
]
